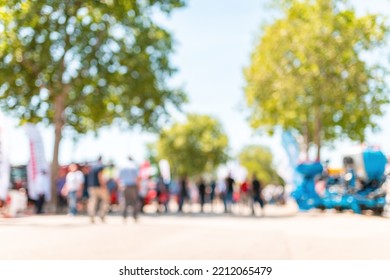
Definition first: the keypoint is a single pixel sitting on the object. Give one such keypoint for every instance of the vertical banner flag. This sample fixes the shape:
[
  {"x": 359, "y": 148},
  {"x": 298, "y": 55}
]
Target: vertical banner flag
[
  {"x": 291, "y": 148},
  {"x": 4, "y": 163},
  {"x": 165, "y": 170},
  {"x": 38, "y": 168}
]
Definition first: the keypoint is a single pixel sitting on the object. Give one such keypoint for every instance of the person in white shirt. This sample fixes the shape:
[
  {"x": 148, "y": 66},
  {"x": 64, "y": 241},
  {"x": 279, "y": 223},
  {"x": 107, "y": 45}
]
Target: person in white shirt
[
  {"x": 129, "y": 182},
  {"x": 73, "y": 185}
]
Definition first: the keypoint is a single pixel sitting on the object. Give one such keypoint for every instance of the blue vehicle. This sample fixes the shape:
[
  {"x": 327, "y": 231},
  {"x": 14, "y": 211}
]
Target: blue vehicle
[
  {"x": 365, "y": 178},
  {"x": 333, "y": 197},
  {"x": 361, "y": 187},
  {"x": 338, "y": 194},
  {"x": 305, "y": 193}
]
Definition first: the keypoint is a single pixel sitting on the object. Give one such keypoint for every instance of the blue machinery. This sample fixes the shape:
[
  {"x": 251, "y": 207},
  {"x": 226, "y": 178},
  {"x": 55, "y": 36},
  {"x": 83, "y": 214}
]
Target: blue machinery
[{"x": 361, "y": 187}]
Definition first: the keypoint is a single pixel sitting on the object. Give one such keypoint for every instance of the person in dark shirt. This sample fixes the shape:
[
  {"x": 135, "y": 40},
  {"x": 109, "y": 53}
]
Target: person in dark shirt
[
  {"x": 257, "y": 194},
  {"x": 229, "y": 192},
  {"x": 97, "y": 190},
  {"x": 202, "y": 193},
  {"x": 183, "y": 192},
  {"x": 162, "y": 194},
  {"x": 213, "y": 186},
  {"x": 62, "y": 203},
  {"x": 84, "y": 199}
]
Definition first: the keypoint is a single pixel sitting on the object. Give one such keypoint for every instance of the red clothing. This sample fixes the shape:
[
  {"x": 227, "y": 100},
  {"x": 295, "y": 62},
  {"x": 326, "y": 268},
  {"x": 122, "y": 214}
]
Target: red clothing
[{"x": 244, "y": 187}]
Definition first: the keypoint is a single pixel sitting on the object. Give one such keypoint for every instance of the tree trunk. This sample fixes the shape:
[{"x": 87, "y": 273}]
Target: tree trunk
[
  {"x": 318, "y": 144},
  {"x": 59, "y": 108},
  {"x": 317, "y": 136},
  {"x": 307, "y": 140}
]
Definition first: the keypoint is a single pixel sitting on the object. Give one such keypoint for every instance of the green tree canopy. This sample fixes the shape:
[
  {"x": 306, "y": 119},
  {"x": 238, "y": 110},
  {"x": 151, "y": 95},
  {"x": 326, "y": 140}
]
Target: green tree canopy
[
  {"x": 199, "y": 145},
  {"x": 85, "y": 64},
  {"x": 258, "y": 161},
  {"x": 308, "y": 73}
]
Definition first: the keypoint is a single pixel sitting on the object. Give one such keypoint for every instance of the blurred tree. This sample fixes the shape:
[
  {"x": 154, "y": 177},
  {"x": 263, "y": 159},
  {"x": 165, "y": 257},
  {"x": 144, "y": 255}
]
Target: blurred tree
[
  {"x": 258, "y": 160},
  {"x": 308, "y": 73},
  {"x": 199, "y": 145},
  {"x": 85, "y": 64}
]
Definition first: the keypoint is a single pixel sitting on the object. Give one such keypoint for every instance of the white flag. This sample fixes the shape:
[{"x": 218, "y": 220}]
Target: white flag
[
  {"x": 38, "y": 168},
  {"x": 4, "y": 163},
  {"x": 165, "y": 171}
]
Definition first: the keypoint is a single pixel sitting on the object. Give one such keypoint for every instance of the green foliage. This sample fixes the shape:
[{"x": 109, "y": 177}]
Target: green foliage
[
  {"x": 85, "y": 64},
  {"x": 108, "y": 60},
  {"x": 307, "y": 73},
  {"x": 199, "y": 145},
  {"x": 151, "y": 154},
  {"x": 258, "y": 161}
]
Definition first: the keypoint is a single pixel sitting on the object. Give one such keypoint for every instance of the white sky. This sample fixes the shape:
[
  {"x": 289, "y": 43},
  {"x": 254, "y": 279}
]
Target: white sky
[{"x": 214, "y": 42}]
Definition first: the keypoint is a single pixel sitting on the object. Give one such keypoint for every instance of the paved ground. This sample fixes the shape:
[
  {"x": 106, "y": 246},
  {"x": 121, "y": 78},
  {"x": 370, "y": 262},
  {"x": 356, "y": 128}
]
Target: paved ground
[{"x": 282, "y": 234}]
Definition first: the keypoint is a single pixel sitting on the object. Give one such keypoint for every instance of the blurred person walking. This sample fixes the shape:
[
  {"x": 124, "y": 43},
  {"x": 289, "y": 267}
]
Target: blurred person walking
[
  {"x": 43, "y": 183},
  {"x": 202, "y": 193},
  {"x": 183, "y": 192},
  {"x": 97, "y": 190},
  {"x": 162, "y": 194},
  {"x": 112, "y": 185},
  {"x": 61, "y": 198},
  {"x": 144, "y": 173},
  {"x": 73, "y": 187},
  {"x": 213, "y": 187},
  {"x": 244, "y": 195},
  {"x": 143, "y": 190},
  {"x": 222, "y": 193},
  {"x": 85, "y": 197},
  {"x": 257, "y": 196},
  {"x": 229, "y": 192},
  {"x": 129, "y": 182}
]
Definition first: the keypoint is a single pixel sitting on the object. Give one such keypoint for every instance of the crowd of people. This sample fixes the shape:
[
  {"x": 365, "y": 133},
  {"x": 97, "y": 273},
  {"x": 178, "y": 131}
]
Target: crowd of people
[{"x": 95, "y": 189}]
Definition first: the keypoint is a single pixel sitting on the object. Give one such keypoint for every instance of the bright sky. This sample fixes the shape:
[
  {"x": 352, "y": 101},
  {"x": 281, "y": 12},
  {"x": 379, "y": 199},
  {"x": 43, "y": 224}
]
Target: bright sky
[{"x": 214, "y": 42}]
